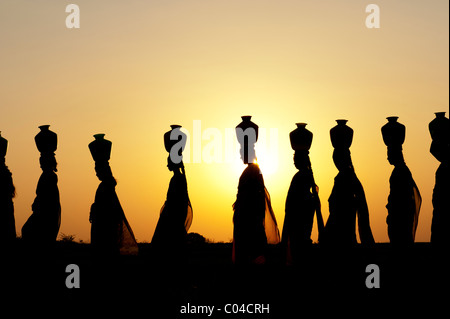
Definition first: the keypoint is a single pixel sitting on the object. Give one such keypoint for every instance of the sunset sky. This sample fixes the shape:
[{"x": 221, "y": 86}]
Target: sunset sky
[{"x": 133, "y": 68}]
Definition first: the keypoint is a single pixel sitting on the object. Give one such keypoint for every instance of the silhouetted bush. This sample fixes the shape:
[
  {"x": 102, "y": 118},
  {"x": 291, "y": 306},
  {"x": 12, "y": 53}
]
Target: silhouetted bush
[
  {"x": 195, "y": 239},
  {"x": 66, "y": 238}
]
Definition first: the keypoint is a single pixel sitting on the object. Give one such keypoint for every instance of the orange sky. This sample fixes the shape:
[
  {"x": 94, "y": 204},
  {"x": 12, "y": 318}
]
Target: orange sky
[{"x": 135, "y": 67}]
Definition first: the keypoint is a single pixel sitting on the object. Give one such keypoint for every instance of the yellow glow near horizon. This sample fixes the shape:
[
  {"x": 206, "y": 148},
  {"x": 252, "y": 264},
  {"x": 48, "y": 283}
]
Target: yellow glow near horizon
[{"x": 135, "y": 68}]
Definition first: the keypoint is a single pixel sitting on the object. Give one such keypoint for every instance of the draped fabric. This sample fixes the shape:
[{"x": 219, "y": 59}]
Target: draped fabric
[
  {"x": 362, "y": 213},
  {"x": 441, "y": 207},
  {"x": 176, "y": 215},
  {"x": 403, "y": 206},
  {"x": 270, "y": 222},
  {"x": 43, "y": 224},
  {"x": 300, "y": 207},
  {"x": 7, "y": 191},
  {"x": 254, "y": 221},
  {"x": 110, "y": 231},
  {"x": 347, "y": 203},
  {"x": 417, "y": 206}
]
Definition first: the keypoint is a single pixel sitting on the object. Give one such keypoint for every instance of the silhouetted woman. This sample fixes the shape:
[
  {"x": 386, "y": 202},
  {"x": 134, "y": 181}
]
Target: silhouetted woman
[
  {"x": 254, "y": 221},
  {"x": 7, "y": 193},
  {"x": 176, "y": 214},
  {"x": 302, "y": 201},
  {"x": 175, "y": 217},
  {"x": 347, "y": 201},
  {"x": 404, "y": 199},
  {"x": 440, "y": 148},
  {"x": 42, "y": 226},
  {"x": 110, "y": 232}
]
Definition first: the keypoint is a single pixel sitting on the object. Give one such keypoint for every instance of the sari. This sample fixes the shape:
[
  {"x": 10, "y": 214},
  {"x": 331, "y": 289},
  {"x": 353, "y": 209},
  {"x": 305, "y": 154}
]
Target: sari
[{"x": 254, "y": 221}]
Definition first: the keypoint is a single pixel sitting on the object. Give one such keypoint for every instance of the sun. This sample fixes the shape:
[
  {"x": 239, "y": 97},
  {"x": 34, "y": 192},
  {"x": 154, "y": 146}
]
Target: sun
[{"x": 268, "y": 163}]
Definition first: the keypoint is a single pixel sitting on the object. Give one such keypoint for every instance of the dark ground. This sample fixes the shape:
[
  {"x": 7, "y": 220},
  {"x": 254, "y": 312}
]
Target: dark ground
[{"x": 324, "y": 283}]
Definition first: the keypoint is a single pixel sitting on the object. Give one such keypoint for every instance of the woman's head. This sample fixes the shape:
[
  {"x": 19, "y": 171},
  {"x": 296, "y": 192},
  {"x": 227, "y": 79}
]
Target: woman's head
[
  {"x": 103, "y": 171},
  {"x": 173, "y": 167},
  {"x": 395, "y": 156},
  {"x": 342, "y": 159},
  {"x": 48, "y": 162},
  {"x": 301, "y": 160}
]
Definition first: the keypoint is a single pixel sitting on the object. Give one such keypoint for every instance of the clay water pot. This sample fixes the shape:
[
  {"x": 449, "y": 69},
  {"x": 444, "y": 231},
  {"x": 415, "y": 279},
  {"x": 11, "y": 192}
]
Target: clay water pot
[
  {"x": 247, "y": 135},
  {"x": 301, "y": 138},
  {"x": 341, "y": 135},
  {"x": 439, "y": 128},
  {"x": 100, "y": 148},
  {"x": 46, "y": 140},
  {"x": 177, "y": 136},
  {"x": 393, "y": 132},
  {"x": 3, "y": 145}
]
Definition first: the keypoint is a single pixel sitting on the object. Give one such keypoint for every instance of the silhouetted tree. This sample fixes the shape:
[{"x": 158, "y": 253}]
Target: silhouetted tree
[
  {"x": 254, "y": 221},
  {"x": 110, "y": 232}
]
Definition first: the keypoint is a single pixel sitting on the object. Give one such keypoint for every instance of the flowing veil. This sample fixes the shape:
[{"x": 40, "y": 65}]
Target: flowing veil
[{"x": 270, "y": 222}]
